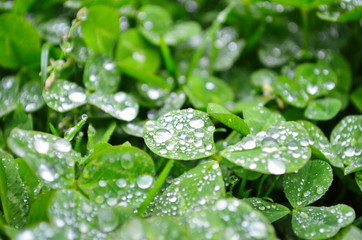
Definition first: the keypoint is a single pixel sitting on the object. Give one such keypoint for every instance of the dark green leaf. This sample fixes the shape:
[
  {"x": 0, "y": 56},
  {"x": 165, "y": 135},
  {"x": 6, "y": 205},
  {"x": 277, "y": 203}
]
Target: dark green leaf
[
  {"x": 308, "y": 184},
  {"x": 323, "y": 109},
  {"x": 356, "y": 98},
  {"x": 290, "y": 91},
  {"x": 31, "y": 97}
]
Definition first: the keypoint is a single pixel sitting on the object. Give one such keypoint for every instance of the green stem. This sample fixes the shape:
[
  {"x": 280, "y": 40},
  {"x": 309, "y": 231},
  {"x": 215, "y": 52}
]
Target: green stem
[
  {"x": 167, "y": 57},
  {"x": 244, "y": 180},
  {"x": 261, "y": 184},
  {"x": 44, "y": 61},
  {"x": 271, "y": 187},
  {"x": 305, "y": 29},
  {"x": 156, "y": 188}
]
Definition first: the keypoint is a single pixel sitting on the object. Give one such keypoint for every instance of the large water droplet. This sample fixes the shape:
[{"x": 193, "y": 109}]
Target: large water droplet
[
  {"x": 121, "y": 182},
  {"x": 41, "y": 145},
  {"x": 107, "y": 220},
  {"x": 276, "y": 167},
  {"x": 162, "y": 136},
  {"x": 145, "y": 181},
  {"x": 127, "y": 161},
  {"x": 269, "y": 144},
  {"x": 249, "y": 143},
  {"x": 196, "y": 122},
  {"x": 312, "y": 89},
  {"x": 46, "y": 173},
  {"x": 62, "y": 145},
  {"x": 349, "y": 152},
  {"x": 77, "y": 97},
  {"x": 257, "y": 230}
]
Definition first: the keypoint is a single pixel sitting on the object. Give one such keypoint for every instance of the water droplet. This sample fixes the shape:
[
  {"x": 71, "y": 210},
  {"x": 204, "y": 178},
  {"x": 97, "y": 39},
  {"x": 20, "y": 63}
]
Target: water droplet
[
  {"x": 121, "y": 182},
  {"x": 127, "y": 161},
  {"x": 269, "y": 144},
  {"x": 248, "y": 143},
  {"x": 276, "y": 167},
  {"x": 46, "y": 173},
  {"x": 196, "y": 122},
  {"x": 41, "y": 145},
  {"x": 173, "y": 199},
  {"x": 26, "y": 235},
  {"x": 199, "y": 133},
  {"x": 102, "y": 183},
  {"x": 257, "y": 230},
  {"x": 312, "y": 89},
  {"x": 349, "y": 152},
  {"x": 107, "y": 220},
  {"x": 306, "y": 193},
  {"x": 221, "y": 204},
  {"x": 145, "y": 181},
  {"x": 329, "y": 85},
  {"x": 162, "y": 136},
  {"x": 77, "y": 97},
  {"x": 62, "y": 145}
]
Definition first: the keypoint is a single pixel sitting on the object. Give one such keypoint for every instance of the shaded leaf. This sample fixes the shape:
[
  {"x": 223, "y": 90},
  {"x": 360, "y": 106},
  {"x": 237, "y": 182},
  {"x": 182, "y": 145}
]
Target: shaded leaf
[
  {"x": 31, "y": 97},
  {"x": 308, "y": 184},
  {"x": 290, "y": 91}
]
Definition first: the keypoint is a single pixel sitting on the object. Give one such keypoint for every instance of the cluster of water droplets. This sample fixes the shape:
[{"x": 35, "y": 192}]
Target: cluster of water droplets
[
  {"x": 235, "y": 220},
  {"x": 31, "y": 96},
  {"x": 63, "y": 96},
  {"x": 119, "y": 105},
  {"x": 196, "y": 189},
  {"x": 181, "y": 134},
  {"x": 273, "y": 151},
  {"x": 328, "y": 219},
  {"x": 347, "y": 143},
  {"x": 8, "y": 94},
  {"x": 51, "y": 156}
]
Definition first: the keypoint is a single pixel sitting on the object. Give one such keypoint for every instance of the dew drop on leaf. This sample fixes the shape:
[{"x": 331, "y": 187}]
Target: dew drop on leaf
[
  {"x": 144, "y": 181},
  {"x": 162, "y": 136}
]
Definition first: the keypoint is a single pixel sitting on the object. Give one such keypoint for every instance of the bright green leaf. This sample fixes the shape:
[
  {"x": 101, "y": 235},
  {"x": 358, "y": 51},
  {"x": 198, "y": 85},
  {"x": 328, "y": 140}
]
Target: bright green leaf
[
  {"x": 323, "y": 109},
  {"x": 31, "y": 97},
  {"x": 181, "y": 32},
  {"x": 19, "y": 42},
  {"x": 101, "y": 74},
  {"x": 320, "y": 145},
  {"x": 229, "y": 218},
  {"x": 227, "y": 118},
  {"x": 49, "y": 156},
  {"x": 306, "y": 4},
  {"x": 63, "y": 96},
  {"x": 119, "y": 105},
  {"x": 308, "y": 184},
  {"x": 278, "y": 150},
  {"x": 346, "y": 142},
  {"x": 290, "y": 91},
  {"x": 316, "y": 79},
  {"x": 101, "y": 29},
  {"x": 196, "y": 189},
  {"x": 342, "y": 11},
  {"x": 181, "y": 134},
  {"x": 117, "y": 172},
  {"x": 14, "y": 198},
  {"x": 133, "y": 50},
  {"x": 8, "y": 95},
  {"x": 203, "y": 90},
  {"x": 273, "y": 211},
  {"x": 349, "y": 233},
  {"x": 71, "y": 132},
  {"x": 321, "y": 222},
  {"x": 133, "y": 128},
  {"x": 153, "y": 21}
]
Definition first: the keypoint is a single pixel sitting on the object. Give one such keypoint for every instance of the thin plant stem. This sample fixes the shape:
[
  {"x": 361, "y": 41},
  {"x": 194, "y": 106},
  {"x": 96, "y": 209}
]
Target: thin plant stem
[
  {"x": 261, "y": 184},
  {"x": 167, "y": 57},
  {"x": 271, "y": 187},
  {"x": 156, "y": 188},
  {"x": 305, "y": 29},
  {"x": 244, "y": 180}
]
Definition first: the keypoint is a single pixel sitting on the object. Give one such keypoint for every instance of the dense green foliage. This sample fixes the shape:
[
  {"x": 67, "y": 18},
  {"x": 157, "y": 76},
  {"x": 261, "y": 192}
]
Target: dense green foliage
[{"x": 189, "y": 119}]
